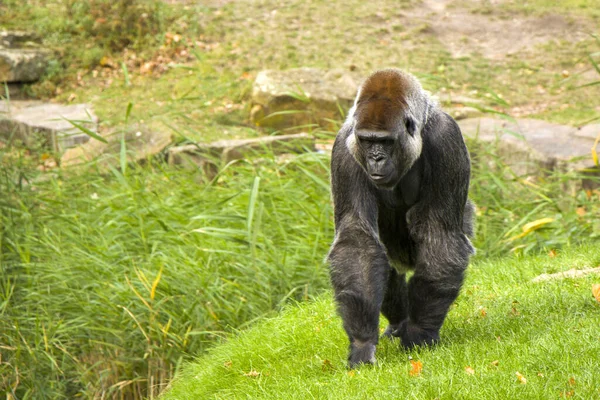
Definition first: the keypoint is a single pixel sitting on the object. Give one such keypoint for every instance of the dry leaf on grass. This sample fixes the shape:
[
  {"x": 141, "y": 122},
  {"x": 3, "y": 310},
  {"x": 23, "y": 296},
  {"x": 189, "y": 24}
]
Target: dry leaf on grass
[
  {"x": 520, "y": 378},
  {"x": 469, "y": 370},
  {"x": 495, "y": 363},
  {"x": 415, "y": 368},
  {"x": 252, "y": 374},
  {"x": 596, "y": 291}
]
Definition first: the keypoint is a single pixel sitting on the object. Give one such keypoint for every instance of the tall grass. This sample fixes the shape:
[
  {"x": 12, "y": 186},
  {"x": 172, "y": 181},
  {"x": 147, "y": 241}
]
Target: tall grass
[
  {"x": 108, "y": 281},
  {"x": 111, "y": 278}
]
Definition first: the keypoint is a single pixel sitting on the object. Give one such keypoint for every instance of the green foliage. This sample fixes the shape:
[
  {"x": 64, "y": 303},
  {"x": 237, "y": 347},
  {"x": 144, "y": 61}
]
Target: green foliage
[
  {"x": 108, "y": 281},
  {"x": 502, "y": 324},
  {"x": 507, "y": 202}
]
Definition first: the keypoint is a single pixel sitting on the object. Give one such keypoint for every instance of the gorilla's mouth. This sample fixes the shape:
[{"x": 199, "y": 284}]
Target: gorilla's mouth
[{"x": 378, "y": 177}]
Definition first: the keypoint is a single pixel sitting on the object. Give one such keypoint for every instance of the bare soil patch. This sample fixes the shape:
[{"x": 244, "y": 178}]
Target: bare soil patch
[{"x": 463, "y": 31}]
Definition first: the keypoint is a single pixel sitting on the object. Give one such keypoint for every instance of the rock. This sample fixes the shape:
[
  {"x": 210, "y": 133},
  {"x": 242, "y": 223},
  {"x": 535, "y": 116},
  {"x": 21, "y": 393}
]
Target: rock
[
  {"x": 528, "y": 144},
  {"x": 18, "y": 39},
  {"x": 208, "y": 155},
  {"x": 142, "y": 142},
  {"x": 33, "y": 121},
  {"x": 459, "y": 113},
  {"x": 591, "y": 131},
  {"x": 303, "y": 96},
  {"x": 449, "y": 99},
  {"x": 22, "y": 65}
]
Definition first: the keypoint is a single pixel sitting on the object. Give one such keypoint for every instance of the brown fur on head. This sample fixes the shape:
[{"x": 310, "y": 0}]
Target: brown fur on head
[{"x": 382, "y": 98}]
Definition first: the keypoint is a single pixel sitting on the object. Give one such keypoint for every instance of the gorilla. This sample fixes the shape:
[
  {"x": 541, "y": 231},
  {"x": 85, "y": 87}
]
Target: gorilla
[{"x": 400, "y": 175}]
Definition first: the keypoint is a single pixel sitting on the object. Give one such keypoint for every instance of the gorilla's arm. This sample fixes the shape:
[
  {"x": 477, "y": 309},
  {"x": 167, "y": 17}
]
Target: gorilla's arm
[
  {"x": 436, "y": 223},
  {"x": 358, "y": 262}
]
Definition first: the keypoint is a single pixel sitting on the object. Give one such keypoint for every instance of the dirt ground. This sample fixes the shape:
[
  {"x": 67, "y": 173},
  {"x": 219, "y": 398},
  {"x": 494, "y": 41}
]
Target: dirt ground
[{"x": 464, "y": 32}]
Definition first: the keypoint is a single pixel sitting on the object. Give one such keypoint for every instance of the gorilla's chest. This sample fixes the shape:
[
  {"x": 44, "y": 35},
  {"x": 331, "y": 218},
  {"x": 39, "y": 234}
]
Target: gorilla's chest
[{"x": 393, "y": 232}]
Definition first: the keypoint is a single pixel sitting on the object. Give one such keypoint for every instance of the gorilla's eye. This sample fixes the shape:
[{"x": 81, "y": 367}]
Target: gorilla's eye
[{"x": 410, "y": 126}]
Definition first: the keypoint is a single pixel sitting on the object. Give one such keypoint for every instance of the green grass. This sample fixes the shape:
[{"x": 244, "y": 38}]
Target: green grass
[
  {"x": 548, "y": 332},
  {"x": 108, "y": 281},
  {"x": 111, "y": 280}
]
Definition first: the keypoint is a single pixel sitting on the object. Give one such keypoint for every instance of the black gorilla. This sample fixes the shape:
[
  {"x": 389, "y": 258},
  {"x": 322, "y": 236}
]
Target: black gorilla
[{"x": 400, "y": 175}]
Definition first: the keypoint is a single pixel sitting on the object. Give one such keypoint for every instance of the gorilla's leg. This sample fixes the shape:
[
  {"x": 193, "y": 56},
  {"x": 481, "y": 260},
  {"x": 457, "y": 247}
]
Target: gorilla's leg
[
  {"x": 395, "y": 302},
  {"x": 359, "y": 269},
  {"x": 438, "y": 277}
]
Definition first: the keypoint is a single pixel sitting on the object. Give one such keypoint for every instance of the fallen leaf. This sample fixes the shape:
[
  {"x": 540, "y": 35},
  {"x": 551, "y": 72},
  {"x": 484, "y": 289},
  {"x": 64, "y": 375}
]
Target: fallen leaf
[
  {"x": 521, "y": 378},
  {"x": 252, "y": 374},
  {"x": 580, "y": 211},
  {"x": 552, "y": 253},
  {"x": 415, "y": 368},
  {"x": 106, "y": 62},
  {"x": 540, "y": 374},
  {"x": 495, "y": 363},
  {"x": 532, "y": 226},
  {"x": 326, "y": 365},
  {"x": 596, "y": 291},
  {"x": 482, "y": 311},
  {"x": 572, "y": 381},
  {"x": 469, "y": 370},
  {"x": 227, "y": 364},
  {"x": 566, "y": 394},
  {"x": 351, "y": 373}
]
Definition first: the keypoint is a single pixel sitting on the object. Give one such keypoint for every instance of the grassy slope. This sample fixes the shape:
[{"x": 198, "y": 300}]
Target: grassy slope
[{"x": 548, "y": 332}]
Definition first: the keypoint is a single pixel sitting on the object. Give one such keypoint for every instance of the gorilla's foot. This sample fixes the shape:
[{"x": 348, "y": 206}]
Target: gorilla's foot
[
  {"x": 413, "y": 335},
  {"x": 361, "y": 353}
]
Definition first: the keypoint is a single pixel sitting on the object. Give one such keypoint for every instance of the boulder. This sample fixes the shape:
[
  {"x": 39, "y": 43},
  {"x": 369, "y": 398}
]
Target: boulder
[
  {"x": 529, "y": 144},
  {"x": 48, "y": 123},
  {"x": 304, "y": 96},
  {"x": 209, "y": 155},
  {"x": 22, "y": 65},
  {"x": 142, "y": 142}
]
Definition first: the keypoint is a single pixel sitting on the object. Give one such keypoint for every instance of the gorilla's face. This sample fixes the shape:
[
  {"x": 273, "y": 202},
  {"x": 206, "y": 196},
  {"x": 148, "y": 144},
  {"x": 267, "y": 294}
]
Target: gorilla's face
[
  {"x": 386, "y": 155},
  {"x": 378, "y": 156}
]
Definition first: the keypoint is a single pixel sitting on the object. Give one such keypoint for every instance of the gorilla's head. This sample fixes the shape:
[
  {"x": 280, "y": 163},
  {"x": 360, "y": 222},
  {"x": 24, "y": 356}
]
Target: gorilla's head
[{"x": 387, "y": 119}]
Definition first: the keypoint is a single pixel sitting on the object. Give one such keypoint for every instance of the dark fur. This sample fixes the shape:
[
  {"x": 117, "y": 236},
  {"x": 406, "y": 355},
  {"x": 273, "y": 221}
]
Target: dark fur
[{"x": 419, "y": 220}]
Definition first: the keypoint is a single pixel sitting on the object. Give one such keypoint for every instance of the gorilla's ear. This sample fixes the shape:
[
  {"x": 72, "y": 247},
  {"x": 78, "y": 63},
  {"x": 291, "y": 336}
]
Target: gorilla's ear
[{"x": 411, "y": 127}]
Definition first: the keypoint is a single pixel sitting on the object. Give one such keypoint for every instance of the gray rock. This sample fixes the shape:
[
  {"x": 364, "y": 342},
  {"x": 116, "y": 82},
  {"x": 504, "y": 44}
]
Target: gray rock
[
  {"x": 142, "y": 142},
  {"x": 209, "y": 155},
  {"x": 529, "y": 144},
  {"x": 18, "y": 39},
  {"x": 303, "y": 96},
  {"x": 450, "y": 99},
  {"x": 33, "y": 121},
  {"x": 22, "y": 65},
  {"x": 459, "y": 113}
]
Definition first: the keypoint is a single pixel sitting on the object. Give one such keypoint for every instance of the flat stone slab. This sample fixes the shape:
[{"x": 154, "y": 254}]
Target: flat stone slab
[
  {"x": 303, "y": 96},
  {"x": 22, "y": 65},
  {"x": 206, "y": 154},
  {"x": 142, "y": 142},
  {"x": 528, "y": 144},
  {"x": 31, "y": 121}
]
